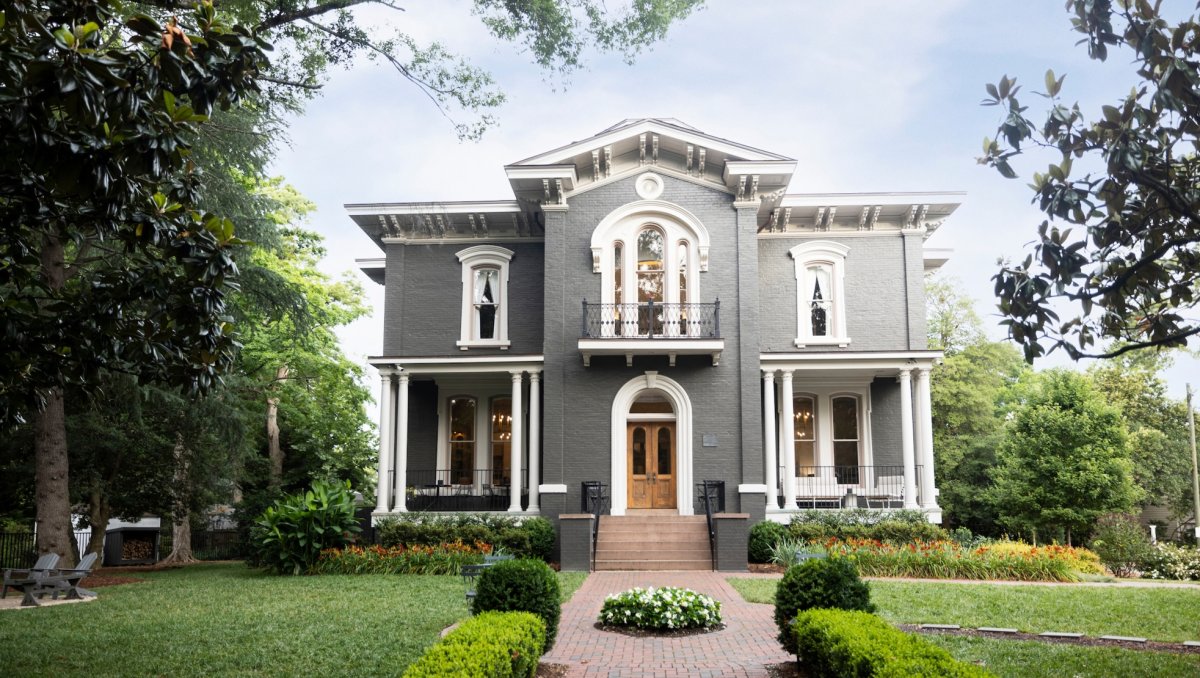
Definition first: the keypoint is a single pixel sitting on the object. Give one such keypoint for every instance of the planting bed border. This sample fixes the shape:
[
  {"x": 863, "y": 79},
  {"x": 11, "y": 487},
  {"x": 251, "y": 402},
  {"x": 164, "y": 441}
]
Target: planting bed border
[{"x": 1149, "y": 645}]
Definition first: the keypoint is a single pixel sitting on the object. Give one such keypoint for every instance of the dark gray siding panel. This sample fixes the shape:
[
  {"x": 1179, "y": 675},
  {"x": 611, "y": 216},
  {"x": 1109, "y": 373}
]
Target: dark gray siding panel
[
  {"x": 877, "y": 294},
  {"x": 423, "y": 300},
  {"x": 885, "y": 422},
  {"x": 422, "y": 429}
]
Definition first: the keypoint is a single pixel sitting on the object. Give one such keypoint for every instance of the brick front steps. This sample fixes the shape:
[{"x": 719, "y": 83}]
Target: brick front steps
[{"x": 653, "y": 542}]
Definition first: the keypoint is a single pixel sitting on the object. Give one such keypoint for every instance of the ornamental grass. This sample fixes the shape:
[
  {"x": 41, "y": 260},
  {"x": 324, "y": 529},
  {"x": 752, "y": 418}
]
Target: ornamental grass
[
  {"x": 440, "y": 559},
  {"x": 948, "y": 560}
]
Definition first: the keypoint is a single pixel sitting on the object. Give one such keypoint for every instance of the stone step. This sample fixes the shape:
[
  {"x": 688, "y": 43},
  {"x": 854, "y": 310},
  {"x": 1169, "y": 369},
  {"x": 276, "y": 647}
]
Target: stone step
[
  {"x": 656, "y": 530},
  {"x": 648, "y": 541},
  {"x": 658, "y": 565},
  {"x": 625, "y": 553},
  {"x": 674, "y": 520}
]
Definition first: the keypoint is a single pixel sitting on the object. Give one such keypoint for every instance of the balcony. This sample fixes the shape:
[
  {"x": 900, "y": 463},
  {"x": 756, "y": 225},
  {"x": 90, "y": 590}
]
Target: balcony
[{"x": 651, "y": 329}]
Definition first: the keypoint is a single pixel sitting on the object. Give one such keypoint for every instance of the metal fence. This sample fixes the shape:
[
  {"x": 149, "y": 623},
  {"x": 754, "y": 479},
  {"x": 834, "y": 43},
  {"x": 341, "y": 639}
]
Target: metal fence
[{"x": 19, "y": 549}]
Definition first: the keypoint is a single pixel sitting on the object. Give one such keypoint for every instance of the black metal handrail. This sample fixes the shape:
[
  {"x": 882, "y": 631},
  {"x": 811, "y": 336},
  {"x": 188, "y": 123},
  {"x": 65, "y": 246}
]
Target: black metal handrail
[
  {"x": 459, "y": 489},
  {"x": 651, "y": 320},
  {"x": 597, "y": 504},
  {"x": 711, "y": 493}
]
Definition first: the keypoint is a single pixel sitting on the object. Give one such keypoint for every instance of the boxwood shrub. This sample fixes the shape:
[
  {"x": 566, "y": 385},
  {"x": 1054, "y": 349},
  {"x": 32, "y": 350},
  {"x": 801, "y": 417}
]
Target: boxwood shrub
[
  {"x": 491, "y": 645},
  {"x": 528, "y": 538},
  {"x": 815, "y": 584},
  {"x": 763, "y": 537},
  {"x": 521, "y": 586},
  {"x": 853, "y": 643}
]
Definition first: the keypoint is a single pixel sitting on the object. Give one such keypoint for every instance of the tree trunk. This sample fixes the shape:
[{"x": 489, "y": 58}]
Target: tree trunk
[
  {"x": 98, "y": 516},
  {"x": 274, "y": 450},
  {"x": 181, "y": 526},
  {"x": 52, "y": 485}
]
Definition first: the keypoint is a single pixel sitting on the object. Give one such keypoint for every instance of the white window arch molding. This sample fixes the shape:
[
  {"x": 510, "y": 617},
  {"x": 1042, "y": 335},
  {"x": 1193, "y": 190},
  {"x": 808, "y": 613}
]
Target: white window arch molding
[
  {"x": 685, "y": 242},
  {"x": 485, "y": 299},
  {"x": 820, "y": 273}
]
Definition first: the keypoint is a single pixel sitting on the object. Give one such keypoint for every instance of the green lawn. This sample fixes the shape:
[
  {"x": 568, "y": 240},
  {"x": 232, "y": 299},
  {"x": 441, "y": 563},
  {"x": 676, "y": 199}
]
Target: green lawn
[
  {"x": 1167, "y": 614},
  {"x": 228, "y": 620},
  {"x": 1032, "y": 659}
]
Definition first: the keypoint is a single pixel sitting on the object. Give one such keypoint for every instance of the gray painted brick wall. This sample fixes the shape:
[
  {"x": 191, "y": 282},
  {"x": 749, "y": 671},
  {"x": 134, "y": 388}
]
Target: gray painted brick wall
[
  {"x": 885, "y": 422},
  {"x": 880, "y": 303},
  {"x": 423, "y": 300}
]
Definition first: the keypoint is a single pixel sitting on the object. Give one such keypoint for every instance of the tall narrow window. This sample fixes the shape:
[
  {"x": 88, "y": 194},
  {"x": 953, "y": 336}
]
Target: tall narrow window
[
  {"x": 820, "y": 293},
  {"x": 820, "y": 300},
  {"x": 484, "y": 322},
  {"x": 487, "y": 302},
  {"x": 501, "y": 422},
  {"x": 462, "y": 441},
  {"x": 682, "y": 313},
  {"x": 650, "y": 280},
  {"x": 845, "y": 439},
  {"x": 805, "y": 435},
  {"x": 618, "y": 286}
]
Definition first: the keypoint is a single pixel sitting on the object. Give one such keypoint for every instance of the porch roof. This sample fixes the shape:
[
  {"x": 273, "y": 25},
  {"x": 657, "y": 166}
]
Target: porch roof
[{"x": 849, "y": 364}]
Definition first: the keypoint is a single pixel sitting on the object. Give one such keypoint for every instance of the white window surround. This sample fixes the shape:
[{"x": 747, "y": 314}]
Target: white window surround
[
  {"x": 473, "y": 259},
  {"x": 624, "y": 223},
  {"x": 682, "y": 406},
  {"x": 832, "y": 256}
]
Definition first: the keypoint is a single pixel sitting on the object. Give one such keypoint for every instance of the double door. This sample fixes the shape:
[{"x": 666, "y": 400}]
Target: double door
[{"x": 651, "y": 450}]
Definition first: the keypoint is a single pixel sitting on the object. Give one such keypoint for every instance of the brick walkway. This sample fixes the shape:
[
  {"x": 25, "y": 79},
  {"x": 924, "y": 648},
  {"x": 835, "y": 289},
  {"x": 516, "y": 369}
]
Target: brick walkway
[{"x": 745, "y": 647}]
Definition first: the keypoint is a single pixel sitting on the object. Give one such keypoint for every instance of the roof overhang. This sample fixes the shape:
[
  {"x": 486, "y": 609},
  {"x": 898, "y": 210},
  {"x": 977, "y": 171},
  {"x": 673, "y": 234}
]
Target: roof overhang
[
  {"x": 374, "y": 268},
  {"x": 936, "y": 257},
  {"x": 829, "y": 364},
  {"x": 631, "y": 348},
  {"x": 486, "y": 220},
  {"x": 857, "y": 211}
]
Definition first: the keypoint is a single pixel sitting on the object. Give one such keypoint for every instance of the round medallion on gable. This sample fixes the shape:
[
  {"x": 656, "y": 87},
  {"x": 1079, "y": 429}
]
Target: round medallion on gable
[{"x": 649, "y": 186}]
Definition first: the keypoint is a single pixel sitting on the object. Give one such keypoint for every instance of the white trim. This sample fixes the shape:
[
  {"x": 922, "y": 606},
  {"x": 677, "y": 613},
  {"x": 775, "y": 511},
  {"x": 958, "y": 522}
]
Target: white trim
[
  {"x": 460, "y": 239},
  {"x": 709, "y": 182},
  {"x": 682, "y": 405},
  {"x": 552, "y": 488},
  {"x": 952, "y": 198},
  {"x": 831, "y": 256},
  {"x": 851, "y": 357},
  {"x": 474, "y": 259},
  {"x": 752, "y": 488},
  {"x": 382, "y": 362},
  {"x": 625, "y": 222},
  {"x": 406, "y": 208},
  {"x": 727, "y": 147}
]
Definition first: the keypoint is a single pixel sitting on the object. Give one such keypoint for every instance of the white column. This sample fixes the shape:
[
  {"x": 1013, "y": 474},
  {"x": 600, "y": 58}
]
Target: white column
[
  {"x": 925, "y": 439},
  {"x": 386, "y": 424},
  {"x": 535, "y": 439},
  {"x": 769, "y": 436},
  {"x": 906, "y": 438},
  {"x": 787, "y": 445},
  {"x": 518, "y": 439},
  {"x": 402, "y": 446}
]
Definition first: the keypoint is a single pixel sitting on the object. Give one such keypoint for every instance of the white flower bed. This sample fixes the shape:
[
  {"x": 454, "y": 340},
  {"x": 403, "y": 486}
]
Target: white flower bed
[{"x": 664, "y": 608}]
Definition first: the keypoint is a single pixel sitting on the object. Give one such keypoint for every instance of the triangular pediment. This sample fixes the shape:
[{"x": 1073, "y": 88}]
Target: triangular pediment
[{"x": 663, "y": 144}]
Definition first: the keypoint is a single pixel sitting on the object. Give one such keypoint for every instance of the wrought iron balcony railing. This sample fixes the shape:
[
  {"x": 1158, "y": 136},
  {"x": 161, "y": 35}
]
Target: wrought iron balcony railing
[
  {"x": 652, "y": 320},
  {"x": 849, "y": 486}
]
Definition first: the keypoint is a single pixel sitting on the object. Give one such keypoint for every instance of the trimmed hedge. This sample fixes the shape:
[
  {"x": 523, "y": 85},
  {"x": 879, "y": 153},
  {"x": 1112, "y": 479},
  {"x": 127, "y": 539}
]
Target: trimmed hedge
[
  {"x": 818, "y": 583},
  {"x": 491, "y": 645},
  {"x": 521, "y": 586},
  {"x": 849, "y": 643},
  {"x": 763, "y": 538},
  {"x": 901, "y": 526},
  {"x": 528, "y": 538}
]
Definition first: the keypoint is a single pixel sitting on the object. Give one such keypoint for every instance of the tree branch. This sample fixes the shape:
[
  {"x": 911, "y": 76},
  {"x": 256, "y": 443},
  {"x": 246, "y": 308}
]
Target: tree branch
[{"x": 317, "y": 10}]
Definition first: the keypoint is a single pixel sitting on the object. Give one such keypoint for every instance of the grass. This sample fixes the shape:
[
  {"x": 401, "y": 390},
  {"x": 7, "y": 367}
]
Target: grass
[
  {"x": 228, "y": 620},
  {"x": 570, "y": 582},
  {"x": 1031, "y": 659},
  {"x": 1166, "y": 614}
]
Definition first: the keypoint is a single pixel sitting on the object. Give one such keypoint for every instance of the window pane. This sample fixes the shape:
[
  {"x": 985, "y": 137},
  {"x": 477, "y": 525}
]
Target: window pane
[
  {"x": 501, "y": 424},
  {"x": 650, "y": 250},
  {"x": 805, "y": 459},
  {"x": 805, "y": 418},
  {"x": 845, "y": 453},
  {"x": 486, "y": 302},
  {"x": 820, "y": 300},
  {"x": 664, "y": 451},
  {"x": 845, "y": 419},
  {"x": 639, "y": 451},
  {"x": 618, "y": 271},
  {"x": 462, "y": 419}
]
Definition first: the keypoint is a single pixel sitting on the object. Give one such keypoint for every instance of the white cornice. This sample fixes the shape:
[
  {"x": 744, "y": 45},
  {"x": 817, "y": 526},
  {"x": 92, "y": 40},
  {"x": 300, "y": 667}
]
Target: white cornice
[
  {"x": 460, "y": 241},
  {"x": 764, "y": 167},
  {"x": 854, "y": 199},
  {"x": 406, "y": 208},
  {"x": 540, "y": 172},
  {"x": 712, "y": 143},
  {"x": 657, "y": 169}
]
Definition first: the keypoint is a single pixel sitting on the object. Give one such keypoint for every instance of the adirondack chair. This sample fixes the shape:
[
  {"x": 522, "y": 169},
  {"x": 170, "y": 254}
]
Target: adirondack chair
[
  {"x": 46, "y": 562},
  {"x": 58, "y": 581}
]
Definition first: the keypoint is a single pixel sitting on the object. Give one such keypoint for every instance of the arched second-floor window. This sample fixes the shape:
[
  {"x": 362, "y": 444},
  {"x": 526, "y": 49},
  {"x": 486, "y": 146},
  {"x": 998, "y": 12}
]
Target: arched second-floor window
[
  {"x": 820, "y": 293},
  {"x": 485, "y": 303}
]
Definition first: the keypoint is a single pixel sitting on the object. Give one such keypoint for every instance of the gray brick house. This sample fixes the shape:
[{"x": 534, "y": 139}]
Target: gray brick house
[{"x": 652, "y": 308}]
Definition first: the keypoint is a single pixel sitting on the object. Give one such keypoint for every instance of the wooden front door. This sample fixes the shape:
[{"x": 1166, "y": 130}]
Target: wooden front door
[{"x": 651, "y": 450}]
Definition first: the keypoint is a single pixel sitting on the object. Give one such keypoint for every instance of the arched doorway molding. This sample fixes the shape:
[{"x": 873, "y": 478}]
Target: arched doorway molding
[{"x": 678, "y": 397}]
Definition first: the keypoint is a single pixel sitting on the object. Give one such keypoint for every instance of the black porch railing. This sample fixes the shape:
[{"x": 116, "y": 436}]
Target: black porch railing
[
  {"x": 459, "y": 490},
  {"x": 832, "y": 487},
  {"x": 651, "y": 320}
]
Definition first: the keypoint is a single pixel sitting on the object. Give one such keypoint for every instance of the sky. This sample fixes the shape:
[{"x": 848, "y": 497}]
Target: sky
[{"x": 867, "y": 95}]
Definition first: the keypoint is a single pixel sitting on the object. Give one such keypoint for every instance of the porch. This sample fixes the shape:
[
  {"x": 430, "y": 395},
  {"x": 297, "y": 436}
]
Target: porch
[
  {"x": 841, "y": 487},
  {"x": 458, "y": 490}
]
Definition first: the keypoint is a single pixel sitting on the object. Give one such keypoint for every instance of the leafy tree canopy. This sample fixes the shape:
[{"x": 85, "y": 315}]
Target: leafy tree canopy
[{"x": 1119, "y": 253}]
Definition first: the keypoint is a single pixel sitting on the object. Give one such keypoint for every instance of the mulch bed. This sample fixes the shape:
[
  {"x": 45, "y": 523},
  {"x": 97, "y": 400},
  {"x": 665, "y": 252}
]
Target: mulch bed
[
  {"x": 656, "y": 633},
  {"x": 1152, "y": 646},
  {"x": 552, "y": 670},
  {"x": 102, "y": 579},
  {"x": 766, "y": 568}
]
